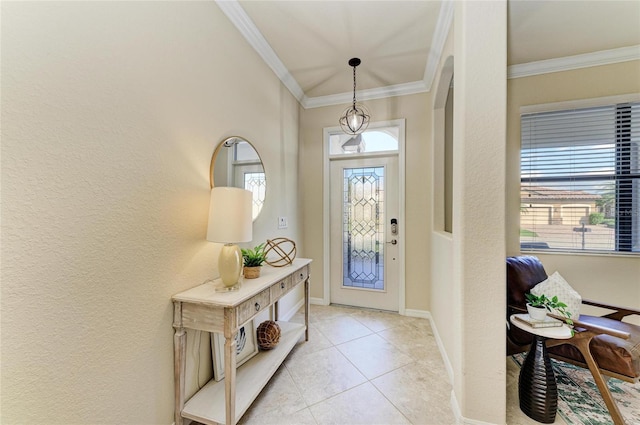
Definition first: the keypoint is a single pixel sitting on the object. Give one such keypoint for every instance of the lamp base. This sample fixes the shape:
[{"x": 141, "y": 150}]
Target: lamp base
[
  {"x": 230, "y": 264},
  {"x": 228, "y": 288}
]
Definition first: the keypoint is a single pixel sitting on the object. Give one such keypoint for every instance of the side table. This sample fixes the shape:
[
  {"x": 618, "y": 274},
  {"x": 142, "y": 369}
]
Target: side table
[{"x": 537, "y": 389}]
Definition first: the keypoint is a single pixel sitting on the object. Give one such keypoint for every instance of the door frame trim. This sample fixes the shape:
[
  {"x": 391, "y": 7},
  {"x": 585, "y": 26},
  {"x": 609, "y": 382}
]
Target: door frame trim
[{"x": 326, "y": 214}]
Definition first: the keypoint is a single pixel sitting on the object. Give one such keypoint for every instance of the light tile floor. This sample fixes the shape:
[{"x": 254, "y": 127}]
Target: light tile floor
[
  {"x": 358, "y": 367},
  {"x": 364, "y": 367}
]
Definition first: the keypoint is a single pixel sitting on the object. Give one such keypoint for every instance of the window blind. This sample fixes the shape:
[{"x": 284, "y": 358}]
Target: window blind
[{"x": 580, "y": 184}]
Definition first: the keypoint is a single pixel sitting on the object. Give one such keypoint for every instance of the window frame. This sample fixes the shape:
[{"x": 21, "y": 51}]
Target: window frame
[{"x": 622, "y": 143}]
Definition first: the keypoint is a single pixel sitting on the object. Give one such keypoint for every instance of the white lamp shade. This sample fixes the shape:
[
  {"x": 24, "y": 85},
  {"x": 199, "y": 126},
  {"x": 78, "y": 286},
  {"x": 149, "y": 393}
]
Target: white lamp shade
[{"x": 230, "y": 215}]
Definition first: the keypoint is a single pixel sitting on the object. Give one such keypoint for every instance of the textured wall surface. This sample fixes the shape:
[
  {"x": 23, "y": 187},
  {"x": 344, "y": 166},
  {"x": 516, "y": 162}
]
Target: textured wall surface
[
  {"x": 479, "y": 143},
  {"x": 110, "y": 114}
]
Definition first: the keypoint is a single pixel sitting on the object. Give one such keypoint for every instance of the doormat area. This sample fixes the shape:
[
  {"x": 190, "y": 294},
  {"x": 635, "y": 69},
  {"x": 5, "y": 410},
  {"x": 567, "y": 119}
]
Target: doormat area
[{"x": 580, "y": 402}]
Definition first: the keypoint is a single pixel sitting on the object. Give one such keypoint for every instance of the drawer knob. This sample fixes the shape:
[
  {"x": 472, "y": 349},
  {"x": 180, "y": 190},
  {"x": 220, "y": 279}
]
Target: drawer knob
[
  {"x": 281, "y": 285},
  {"x": 257, "y": 306}
]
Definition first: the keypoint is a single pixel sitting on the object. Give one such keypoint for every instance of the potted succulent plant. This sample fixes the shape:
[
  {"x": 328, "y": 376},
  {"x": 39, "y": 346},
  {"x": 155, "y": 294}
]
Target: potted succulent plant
[{"x": 253, "y": 259}]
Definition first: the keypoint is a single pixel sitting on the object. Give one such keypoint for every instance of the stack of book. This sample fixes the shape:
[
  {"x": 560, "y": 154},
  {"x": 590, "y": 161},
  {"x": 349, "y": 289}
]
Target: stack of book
[{"x": 548, "y": 322}]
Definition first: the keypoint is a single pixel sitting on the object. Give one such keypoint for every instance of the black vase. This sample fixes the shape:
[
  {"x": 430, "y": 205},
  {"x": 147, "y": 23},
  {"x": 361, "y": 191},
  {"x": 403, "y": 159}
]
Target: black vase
[{"x": 537, "y": 387}]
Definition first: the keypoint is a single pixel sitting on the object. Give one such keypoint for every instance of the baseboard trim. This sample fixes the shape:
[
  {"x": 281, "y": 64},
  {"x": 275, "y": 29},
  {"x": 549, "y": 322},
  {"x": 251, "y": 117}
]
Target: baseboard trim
[
  {"x": 317, "y": 301},
  {"x": 423, "y": 314},
  {"x": 443, "y": 352}
]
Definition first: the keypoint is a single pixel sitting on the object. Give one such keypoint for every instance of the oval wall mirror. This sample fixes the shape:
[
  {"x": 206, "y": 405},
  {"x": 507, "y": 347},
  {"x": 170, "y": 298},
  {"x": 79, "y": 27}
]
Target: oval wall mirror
[{"x": 235, "y": 162}]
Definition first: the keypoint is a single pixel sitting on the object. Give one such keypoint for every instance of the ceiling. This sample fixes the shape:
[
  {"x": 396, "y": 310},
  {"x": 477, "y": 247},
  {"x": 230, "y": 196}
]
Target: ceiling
[{"x": 308, "y": 43}]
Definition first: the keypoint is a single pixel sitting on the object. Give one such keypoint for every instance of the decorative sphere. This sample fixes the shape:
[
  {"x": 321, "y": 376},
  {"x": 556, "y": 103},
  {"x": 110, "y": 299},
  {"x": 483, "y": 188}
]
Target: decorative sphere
[
  {"x": 283, "y": 250},
  {"x": 268, "y": 335}
]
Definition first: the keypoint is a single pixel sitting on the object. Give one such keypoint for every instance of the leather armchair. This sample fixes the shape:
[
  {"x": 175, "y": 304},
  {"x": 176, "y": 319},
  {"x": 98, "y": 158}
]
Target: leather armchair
[{"x": 604, "y": 344}]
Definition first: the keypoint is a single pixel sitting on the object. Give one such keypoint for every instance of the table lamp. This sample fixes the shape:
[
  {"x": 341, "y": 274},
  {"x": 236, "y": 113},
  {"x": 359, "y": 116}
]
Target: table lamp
[{"x": 230, "y": 221}]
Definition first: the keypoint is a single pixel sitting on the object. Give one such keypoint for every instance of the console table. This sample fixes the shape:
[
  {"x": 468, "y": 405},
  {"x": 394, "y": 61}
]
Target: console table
[{"x": 202, "y": 308}]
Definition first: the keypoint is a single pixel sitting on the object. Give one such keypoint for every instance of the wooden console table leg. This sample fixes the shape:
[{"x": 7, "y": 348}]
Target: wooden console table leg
[
  {"x": 306, "y": 309},
  {"x": 230, "y": 369},
  {"x": 179, "y": 362}
]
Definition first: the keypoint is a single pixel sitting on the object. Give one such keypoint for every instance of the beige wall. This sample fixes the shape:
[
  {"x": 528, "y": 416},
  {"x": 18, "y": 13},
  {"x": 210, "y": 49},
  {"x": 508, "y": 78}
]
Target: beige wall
[
  {"x": 478, "y": 220},
  {"x": 467, "y": 295},
  {"x": 415, "y": 110},
  {"x": 605, "y": 278},
  {"x": 110, "y": 114},
  {"x": 444, "y": 312}
]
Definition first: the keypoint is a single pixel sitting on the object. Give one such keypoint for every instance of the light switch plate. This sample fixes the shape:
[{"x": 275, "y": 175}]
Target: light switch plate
[{"x": 282, "y": 223}]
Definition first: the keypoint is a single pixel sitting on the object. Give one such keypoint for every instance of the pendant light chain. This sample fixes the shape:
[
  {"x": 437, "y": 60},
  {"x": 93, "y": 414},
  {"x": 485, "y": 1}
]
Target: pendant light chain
[{"x": 354, "y": 87}]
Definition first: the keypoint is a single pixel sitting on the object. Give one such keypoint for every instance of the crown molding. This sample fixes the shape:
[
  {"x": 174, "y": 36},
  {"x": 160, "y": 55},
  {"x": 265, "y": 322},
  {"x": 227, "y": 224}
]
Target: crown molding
[
  {"x": 248, "y": 29},
  {"x": 244, "y": 24},
  {"x": 445, "y": 19},
  {"x": 239, "y": 18},
  {"x": 603, "y": 57}
]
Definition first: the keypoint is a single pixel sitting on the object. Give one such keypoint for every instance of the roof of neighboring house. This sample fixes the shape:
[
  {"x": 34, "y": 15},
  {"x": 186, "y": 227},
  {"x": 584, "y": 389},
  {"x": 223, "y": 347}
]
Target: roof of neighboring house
[{"x": 545, "y": 193}]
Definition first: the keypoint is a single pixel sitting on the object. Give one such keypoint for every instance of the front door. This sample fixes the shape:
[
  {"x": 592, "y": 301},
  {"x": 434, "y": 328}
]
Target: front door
[{"x": 364, "y": 232}]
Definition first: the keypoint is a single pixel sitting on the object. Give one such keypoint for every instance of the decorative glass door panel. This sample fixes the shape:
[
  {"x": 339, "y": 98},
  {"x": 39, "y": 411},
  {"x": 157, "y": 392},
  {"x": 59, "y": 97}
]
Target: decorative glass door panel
[
  {"x": 364, "y": 254},
  {"x": 363, "y": 228},
  {"x": 363, "y": 186}
]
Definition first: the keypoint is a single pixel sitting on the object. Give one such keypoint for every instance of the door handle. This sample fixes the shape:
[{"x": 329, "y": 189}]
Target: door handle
[{"x": 393, "y": 242}]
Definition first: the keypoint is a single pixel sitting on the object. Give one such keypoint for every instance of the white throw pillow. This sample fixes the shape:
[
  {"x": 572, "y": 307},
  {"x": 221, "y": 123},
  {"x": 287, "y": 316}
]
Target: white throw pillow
[{"x": 555, "y": 285}]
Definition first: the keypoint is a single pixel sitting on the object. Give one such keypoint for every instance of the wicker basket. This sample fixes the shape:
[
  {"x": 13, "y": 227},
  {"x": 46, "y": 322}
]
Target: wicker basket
[{"x": 251, "y": 272}]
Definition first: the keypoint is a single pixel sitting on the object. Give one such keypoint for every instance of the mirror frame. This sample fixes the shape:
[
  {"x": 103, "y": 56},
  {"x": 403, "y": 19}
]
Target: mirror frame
[{"x": 228, "y": 143}]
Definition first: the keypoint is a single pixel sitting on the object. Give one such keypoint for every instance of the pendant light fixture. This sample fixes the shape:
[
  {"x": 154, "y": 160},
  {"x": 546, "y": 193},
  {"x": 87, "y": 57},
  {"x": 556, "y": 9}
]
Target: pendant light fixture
[{"x": 355, "y": 118}]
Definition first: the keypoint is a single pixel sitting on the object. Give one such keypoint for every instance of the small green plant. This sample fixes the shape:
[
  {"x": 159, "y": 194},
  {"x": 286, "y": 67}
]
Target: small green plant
[
  {"x": 254, "y": 257},
  {"x": 596, "y": 218},
  {"x": 551, "y": 304}
]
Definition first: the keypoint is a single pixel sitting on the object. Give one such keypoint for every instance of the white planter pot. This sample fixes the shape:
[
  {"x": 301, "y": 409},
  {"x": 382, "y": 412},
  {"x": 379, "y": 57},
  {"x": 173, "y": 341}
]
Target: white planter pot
[{"x": 537, "y": 313}]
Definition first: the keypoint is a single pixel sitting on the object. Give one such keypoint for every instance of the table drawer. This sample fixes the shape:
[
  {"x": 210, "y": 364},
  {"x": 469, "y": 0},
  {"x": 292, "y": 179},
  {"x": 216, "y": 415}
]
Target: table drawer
[
  {"x": 281, "y": 288},
  {"x": 252, "y": 306},
  {"x": 300, "y": 275}
]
